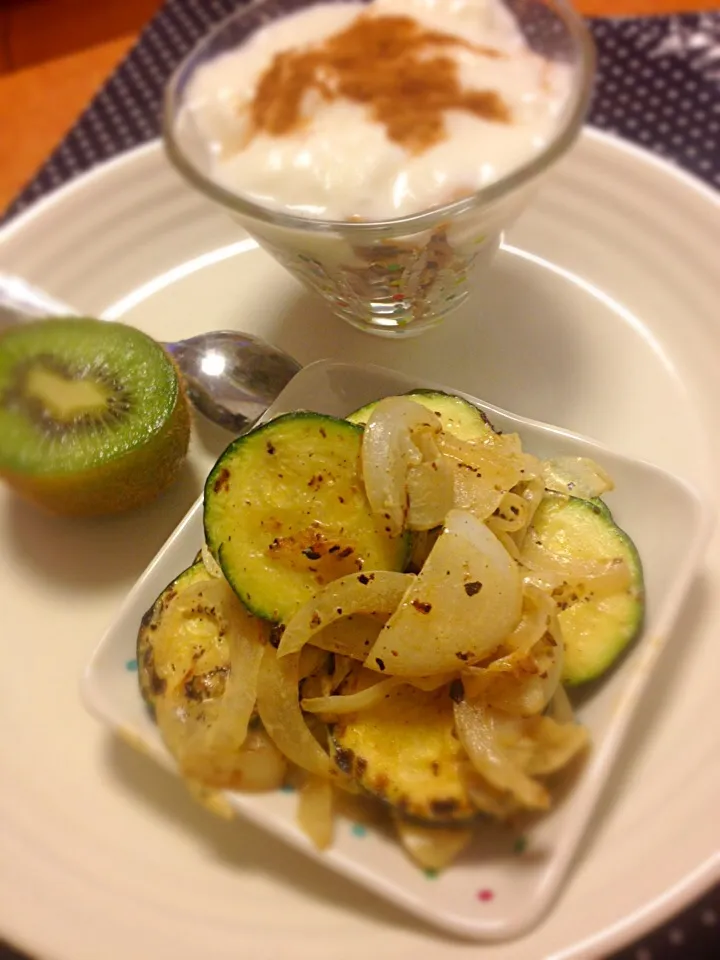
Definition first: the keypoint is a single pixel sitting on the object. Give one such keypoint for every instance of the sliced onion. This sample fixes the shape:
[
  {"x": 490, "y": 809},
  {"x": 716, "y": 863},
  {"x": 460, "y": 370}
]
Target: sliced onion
[
  {"x": 543, "y": 579},
  {"x": 351, "y": 702},
  {"x": 429, "y": 483},
  {"x": 315, "y": 687},
  {"x": 507, "y": 541},
  {"x": 615, "y": 579},
  {"x": 537, "y": 611},
  {"x": 485, "y": 798},
  {"x": 388, "y": 452},
  {"x": 324, "y": 683},
  {"x": 513, "y": 750},
  {"x": 212, "y": 799},
  {"x": 399, "y": 436},
  {"x": 432, "y": 847},
  {"x": 210, "y": 563},
  {"x": 549, "y": 566},
  {"x": 552, "y": 745},
  {"x": 510, "y": 515},
  {"x": 343, "y": 666},
  {"x": 279, "y": 708},
  {"x": 532, "y": 491},
  {"x": 428, "y": 684},
  {"x": 568, "y": 590},
  {"x": 561, "y": 709},
  {"x": 351, "y": 636},
  {"x": 483, "y": 473},
  {"x": 206, "y": 741},
  {"x": 498, "y": 446},
  {"x": 464, "y": 601},
  {"x": 532, "y": 467},
  {"x": 505, "y": 450},
  {"x": 522, "y": 683},
  {"x": 315, "y": 811},
  {"x": 358, "y": 593},
  {"x": 579, "y": 476},
  {"x": 260, "y": 765},
  {"x": 430, "y": 493},
  {"x": 476, "y": 729},
  {"x": 474, "y": 493},
  {"x": 312, "y": 661}
]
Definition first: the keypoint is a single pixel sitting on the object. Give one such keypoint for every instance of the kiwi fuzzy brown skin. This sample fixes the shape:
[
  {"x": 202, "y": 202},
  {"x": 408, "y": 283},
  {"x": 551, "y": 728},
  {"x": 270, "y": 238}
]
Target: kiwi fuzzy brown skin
[
  {"x": 117, "y": 486},
  {"x": 125, "y": 482}
]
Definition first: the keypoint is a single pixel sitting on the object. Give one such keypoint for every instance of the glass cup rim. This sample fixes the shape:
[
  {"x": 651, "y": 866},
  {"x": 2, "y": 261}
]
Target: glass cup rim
[{"x": 568, "y": 129}]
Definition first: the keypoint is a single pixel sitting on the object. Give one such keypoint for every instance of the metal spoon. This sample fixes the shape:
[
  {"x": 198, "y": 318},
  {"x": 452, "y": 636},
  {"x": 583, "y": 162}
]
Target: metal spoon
[{"x": 231, "y": 377}]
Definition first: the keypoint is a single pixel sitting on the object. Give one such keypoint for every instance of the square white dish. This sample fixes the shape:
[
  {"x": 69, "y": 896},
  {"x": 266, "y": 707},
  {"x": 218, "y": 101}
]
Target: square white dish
[{"x": 508, "y": 880}]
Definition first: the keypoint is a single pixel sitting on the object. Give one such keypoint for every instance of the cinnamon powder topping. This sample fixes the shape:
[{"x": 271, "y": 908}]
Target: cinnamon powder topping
[{"x": 391, "y": 64}]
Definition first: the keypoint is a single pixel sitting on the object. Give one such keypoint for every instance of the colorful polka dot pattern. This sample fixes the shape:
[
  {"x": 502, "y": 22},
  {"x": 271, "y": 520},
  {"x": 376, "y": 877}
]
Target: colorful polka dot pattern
[{"x": 658, "y": 86}]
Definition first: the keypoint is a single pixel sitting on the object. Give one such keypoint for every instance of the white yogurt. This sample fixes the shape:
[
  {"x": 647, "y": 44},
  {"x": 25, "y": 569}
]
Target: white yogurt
[{"x": 342, "y": 164}]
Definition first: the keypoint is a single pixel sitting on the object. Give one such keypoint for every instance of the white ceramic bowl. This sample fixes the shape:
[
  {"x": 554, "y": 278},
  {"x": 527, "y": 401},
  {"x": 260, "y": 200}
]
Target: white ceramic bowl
[{"x": 506, "y": 882}]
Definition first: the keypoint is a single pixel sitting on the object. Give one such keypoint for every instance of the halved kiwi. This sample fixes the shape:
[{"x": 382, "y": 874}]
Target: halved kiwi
[{"x": 93, "y": 417}]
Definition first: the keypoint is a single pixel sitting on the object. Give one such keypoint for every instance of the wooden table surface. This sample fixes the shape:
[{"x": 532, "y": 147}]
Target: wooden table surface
[{"x": 54, "y": 54}]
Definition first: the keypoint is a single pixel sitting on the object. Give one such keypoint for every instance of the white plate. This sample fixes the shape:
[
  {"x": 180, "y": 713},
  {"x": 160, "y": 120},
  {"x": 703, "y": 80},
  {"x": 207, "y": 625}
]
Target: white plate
[
  {"x": 612, "y": 283},
  {"x": 496, "y": 891}
]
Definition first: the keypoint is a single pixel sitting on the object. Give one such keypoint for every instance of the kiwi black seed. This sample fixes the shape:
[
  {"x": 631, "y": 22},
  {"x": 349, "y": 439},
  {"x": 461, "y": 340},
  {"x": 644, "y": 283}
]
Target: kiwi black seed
[{"x": 93, "y": 416}]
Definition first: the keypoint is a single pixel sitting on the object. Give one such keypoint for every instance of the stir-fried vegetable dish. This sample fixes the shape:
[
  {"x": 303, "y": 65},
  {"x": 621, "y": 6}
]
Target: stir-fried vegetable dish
[{"x": 391, "y": 606}]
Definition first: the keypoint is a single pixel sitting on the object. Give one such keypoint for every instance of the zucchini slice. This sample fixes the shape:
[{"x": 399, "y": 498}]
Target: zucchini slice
[
  {"x": 286, "y": 513},
  {"x": 595, "y": 630},
  {"x": 404, "y": 751},
  {"x": 184, "y": 671},
  {"x": 192, "y": 652},
  {"x": 459, "y": 417}
]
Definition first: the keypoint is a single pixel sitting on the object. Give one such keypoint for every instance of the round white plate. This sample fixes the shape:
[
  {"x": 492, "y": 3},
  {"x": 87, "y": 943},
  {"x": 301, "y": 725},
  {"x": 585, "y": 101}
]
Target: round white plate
[{"x": 603, "y": 319}]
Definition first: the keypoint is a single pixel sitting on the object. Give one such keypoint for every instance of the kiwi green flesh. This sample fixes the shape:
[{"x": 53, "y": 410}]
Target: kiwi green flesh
[{"x": 78, "y": 393}]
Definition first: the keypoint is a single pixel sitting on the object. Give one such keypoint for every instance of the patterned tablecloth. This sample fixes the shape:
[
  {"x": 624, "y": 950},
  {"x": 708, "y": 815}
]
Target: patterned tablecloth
[{"x": 658, "y": 85}]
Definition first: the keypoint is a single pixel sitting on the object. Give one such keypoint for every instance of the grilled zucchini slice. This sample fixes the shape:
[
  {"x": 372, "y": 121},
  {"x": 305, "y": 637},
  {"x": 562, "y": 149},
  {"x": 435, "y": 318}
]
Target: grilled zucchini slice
[
  {"x": 160, "y": 654},
  {"x": 286, "y": 513},
  {"x": 459, "y": 417},
  {"x": 404, "y": 751},
  {"x": 184, "y": 665},
  {"x": 595, "y": 630}
]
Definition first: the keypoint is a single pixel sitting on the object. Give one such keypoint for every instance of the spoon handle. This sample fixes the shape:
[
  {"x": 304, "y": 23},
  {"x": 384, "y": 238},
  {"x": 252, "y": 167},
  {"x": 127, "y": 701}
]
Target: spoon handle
[{"x": 20, "y": 300}]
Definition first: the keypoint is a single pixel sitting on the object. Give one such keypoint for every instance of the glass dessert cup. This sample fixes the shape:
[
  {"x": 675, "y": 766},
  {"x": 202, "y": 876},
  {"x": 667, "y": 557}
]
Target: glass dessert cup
[{"x": 402, "y": 276}]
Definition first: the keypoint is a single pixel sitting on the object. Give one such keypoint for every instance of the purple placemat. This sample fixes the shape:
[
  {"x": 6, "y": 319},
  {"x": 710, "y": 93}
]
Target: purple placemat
[{"x": 658, "y": 85}]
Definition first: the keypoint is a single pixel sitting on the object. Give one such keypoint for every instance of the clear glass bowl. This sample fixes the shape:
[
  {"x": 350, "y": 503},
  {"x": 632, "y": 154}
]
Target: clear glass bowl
[{"x": 396, "y": 277}]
